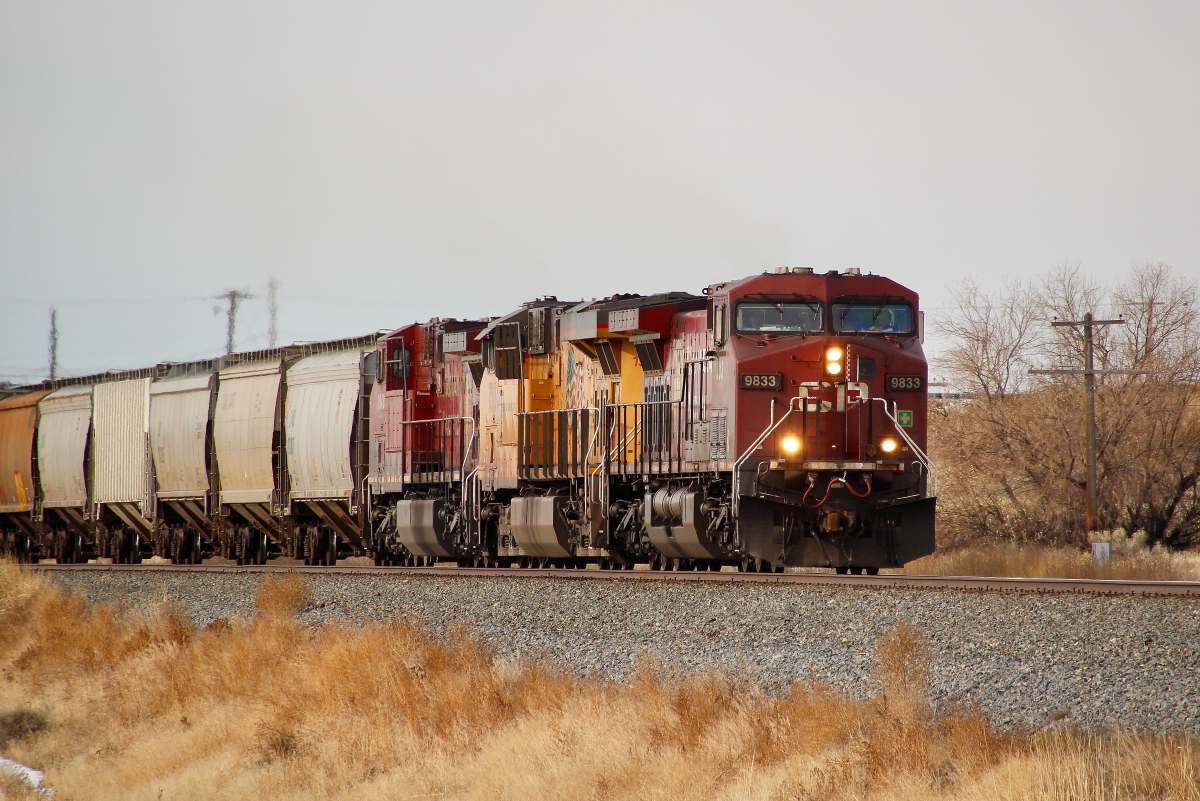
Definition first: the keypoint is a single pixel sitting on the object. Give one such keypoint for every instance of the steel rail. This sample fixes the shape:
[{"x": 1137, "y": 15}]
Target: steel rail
[{"x": 1190, "y": 589}]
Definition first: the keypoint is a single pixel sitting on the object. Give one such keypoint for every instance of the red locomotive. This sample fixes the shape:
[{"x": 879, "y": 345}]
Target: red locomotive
[{"x": 774, "y": 421}]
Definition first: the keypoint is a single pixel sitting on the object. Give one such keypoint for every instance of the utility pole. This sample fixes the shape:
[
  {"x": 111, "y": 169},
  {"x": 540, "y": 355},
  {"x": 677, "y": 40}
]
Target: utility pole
[
  {"x": 272, "y": 312},
  {"x": 53, "y": 345},
  {"x": 1089, "y": 373},
  {"x": 234, "y": 297}
]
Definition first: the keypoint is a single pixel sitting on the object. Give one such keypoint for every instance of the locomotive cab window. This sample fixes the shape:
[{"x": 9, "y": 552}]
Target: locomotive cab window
[
  {"x": 778, "y": 318},
  {"x": 873, "y": 318}
]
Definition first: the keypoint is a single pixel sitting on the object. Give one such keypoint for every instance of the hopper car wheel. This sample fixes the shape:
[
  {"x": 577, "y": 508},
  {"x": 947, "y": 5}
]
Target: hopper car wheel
[
  {"x": 856, "y": 571},
  {"x": 842, "y": 570},
  {"x": 312, "y": 546},
  {"x": 121, "y": 556},
  {"x": 872, "y": 571},
  {"x": 67, "y": 547},
  {"x": 749, "y": 565}
]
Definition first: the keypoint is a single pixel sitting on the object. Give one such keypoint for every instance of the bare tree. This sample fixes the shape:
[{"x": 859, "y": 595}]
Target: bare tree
[
  {"x": 991, "y": 336},
  {"x": 1013, "y": 460}
]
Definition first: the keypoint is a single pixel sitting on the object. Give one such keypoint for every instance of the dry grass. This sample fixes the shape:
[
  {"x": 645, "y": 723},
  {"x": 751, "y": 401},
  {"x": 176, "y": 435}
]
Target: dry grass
[
  {"x": 140, "y": 705},
  {"x": 1043, "y": 561}
]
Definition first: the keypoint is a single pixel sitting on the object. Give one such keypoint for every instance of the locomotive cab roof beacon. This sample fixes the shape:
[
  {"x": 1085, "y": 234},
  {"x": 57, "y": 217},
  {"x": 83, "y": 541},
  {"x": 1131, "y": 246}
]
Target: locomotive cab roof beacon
[{"x": 776, "y": 420}]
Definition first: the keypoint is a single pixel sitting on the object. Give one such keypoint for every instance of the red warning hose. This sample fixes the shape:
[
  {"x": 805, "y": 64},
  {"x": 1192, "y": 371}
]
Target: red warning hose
[{"x": 866, "y": 480}]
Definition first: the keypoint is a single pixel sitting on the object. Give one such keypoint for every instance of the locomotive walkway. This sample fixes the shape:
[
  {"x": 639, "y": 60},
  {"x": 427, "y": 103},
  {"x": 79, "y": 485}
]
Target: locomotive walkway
[{"x": 884, "y": 582}]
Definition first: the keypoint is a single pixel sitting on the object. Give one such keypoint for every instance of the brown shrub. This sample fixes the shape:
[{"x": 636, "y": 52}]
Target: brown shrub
[
  {"x": 1013, "y": 461},
  {"x": 20, "y": 725}
]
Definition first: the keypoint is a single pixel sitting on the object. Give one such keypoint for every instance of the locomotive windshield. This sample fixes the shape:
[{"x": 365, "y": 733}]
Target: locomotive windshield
[
  {"x": 873, "y": 318},
  {"x": 775, "y": 318}
]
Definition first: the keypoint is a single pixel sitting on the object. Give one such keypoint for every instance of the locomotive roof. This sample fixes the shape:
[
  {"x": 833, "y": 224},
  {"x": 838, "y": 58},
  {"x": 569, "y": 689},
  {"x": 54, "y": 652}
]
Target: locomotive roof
[
  {"x": 828, "y": 285},
  {"x": 546, "y": 302},
  {"x": 635, "y": 301}
]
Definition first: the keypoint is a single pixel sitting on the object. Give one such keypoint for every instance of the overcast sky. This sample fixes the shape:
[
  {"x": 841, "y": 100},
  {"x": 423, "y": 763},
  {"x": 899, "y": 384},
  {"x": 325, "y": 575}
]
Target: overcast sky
[{"x": 392, "y": 161}]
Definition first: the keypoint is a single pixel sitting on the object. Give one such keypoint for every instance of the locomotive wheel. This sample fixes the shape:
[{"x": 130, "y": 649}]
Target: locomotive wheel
[{"x": 749, "y": 565}]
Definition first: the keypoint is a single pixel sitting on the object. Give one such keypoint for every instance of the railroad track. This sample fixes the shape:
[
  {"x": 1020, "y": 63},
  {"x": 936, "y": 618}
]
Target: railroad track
[{"x": 931, "y": 583}]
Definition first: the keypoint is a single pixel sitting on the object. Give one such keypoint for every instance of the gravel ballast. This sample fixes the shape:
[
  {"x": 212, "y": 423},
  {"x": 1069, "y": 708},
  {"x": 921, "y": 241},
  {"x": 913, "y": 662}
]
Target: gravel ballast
[{"x": 1129, "y": 662}]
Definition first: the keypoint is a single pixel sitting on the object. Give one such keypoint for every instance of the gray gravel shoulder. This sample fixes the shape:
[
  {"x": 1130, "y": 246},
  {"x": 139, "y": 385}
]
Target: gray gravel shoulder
[{"x": 1129, "y": 662}]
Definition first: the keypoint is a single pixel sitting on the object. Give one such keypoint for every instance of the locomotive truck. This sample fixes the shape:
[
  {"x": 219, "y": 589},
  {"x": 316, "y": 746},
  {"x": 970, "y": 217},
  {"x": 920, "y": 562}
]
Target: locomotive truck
[{"x": 770, "y": 422}]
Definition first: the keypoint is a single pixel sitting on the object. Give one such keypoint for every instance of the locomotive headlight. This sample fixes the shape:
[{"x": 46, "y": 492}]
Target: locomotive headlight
[
  {"x": 791, "y": 444},
  {"x": 888, "y": 445},
  {"x": 833, "y": 360}
]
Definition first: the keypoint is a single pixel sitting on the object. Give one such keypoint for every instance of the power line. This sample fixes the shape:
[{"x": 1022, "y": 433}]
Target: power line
[{"x": 92, "y": 301}]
